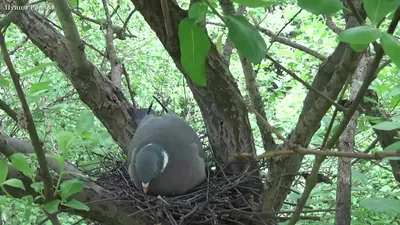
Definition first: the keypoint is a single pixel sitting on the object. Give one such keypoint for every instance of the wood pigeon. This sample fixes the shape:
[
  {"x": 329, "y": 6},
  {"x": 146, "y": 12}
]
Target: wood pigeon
[{"x": 165, "y": 156}]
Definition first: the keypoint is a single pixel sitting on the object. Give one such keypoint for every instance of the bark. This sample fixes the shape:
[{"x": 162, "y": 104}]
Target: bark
[{"x": 346, "y": 144}]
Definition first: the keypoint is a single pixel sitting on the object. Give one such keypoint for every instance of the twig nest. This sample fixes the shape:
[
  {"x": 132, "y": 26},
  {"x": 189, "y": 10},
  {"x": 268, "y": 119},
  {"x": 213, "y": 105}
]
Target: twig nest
[{"x": 223, "y": 198}]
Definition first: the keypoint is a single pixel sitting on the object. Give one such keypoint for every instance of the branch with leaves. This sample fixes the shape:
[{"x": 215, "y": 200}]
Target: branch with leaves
[
  {"x": 371, "y": 75},
  {"x": 30, "y": 126}
]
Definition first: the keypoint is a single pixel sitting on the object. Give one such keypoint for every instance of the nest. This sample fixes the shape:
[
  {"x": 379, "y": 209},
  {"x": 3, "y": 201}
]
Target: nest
[{"x": 223, "y": 198}]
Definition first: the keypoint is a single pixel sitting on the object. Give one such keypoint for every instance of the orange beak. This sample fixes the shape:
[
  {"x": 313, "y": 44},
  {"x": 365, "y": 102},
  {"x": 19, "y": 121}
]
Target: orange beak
[{"x": 145, "y": 187}]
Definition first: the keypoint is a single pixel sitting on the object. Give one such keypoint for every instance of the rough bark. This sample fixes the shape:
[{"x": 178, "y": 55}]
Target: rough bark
[{"x": 346, "y": 144}]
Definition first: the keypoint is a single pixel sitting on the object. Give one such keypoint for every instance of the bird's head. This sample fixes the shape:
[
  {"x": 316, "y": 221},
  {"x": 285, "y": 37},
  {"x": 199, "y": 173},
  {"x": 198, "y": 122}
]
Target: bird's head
[{"x": 151, "y": 160}]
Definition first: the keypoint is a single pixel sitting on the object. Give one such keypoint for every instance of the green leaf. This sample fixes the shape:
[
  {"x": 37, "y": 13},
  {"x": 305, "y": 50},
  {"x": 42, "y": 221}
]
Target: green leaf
[
  {"x": 75, "y": 204},
  {"x": 194, "y": 46},
  {"x": 219, "y": 44},
  {"x": 37, "y": 68},
  {"x": 377, "y": 9},
  {"x": 325, "y": 7},
  {"x": 387, "y": 125},
  {"x": 256, "y": 3},
  {"x": 360, "y": 35},
  {"x": 28, "y": 200},
  {"x": 38, "y": 186},
  {"x": 359, "y": 177},
  {"x": 52, "y": 207},
  {"x": 86, "y": 135},
  {"x": 198, "y": 11},
  {"x": 392, "y": 47},
  {"x": 358, "y": 47},
  {"x": 385, "y": 205},
  {"x": 4, "y": 82},
  {"x": 85, "y": 122},
  {"x": 74, "y": 3},
  {"x": 3, "y": 170},
  {"x": 19, "y": 162},
  {"x": 64, "y": 140},
  {"x": 393, "y": 147},
  {"x": 13, "y": 182},
  {"x": 246, "y": 38},
  {"x": 27, "y": 213},
  {"x": 60, "y": 160},
  {"x": 70, "y": 187},
  {"x": 38, "y": 87}
]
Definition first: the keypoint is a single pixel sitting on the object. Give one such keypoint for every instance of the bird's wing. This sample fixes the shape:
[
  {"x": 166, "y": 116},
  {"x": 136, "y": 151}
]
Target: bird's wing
[{"x": 184, "y": 131}]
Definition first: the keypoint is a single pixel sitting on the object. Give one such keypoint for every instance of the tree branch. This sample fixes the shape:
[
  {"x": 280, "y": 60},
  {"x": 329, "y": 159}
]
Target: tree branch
[
  {"x": 283, "y": 40},
  {"x": 308, "y": 86},
  {"x": 116, "y": 67},
  {"x": 30, "y": 125},
  {"x": 102, "y": 203},
  {"x": 346, "y": 144},
  {"x": 8, "y": 110},
  {"x": 74, "y": 42},
  {"x": 304, "y": 151}
]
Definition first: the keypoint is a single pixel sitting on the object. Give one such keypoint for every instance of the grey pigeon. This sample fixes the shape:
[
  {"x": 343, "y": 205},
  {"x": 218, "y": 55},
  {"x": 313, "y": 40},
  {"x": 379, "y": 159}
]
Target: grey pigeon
[{"x": 165, "y": 156}]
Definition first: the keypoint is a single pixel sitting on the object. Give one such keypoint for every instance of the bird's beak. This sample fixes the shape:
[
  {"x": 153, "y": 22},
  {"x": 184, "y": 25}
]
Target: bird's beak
[{"x": 145, "y": 187}]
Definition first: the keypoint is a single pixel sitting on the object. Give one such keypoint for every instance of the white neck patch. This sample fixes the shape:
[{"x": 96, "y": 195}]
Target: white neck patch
[
  {"x": 165, "y": 160},
  {"x": 165, "y": 157}
]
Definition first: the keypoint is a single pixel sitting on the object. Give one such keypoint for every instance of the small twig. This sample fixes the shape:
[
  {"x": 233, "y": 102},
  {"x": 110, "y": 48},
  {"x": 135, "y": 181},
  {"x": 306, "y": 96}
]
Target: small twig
[
  {"x": 8, "y": 110},
  {"x": 280, "y": 31},
  {"x": 308, "y": 86},
  {"x": 368, "y": 149},
  {"x": 128, "y": 18},
  {"x": 128, "y": 84}
]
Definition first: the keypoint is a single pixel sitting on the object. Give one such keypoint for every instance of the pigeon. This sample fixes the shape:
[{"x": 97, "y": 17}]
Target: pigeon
[{"x": 165, "y": 156}]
